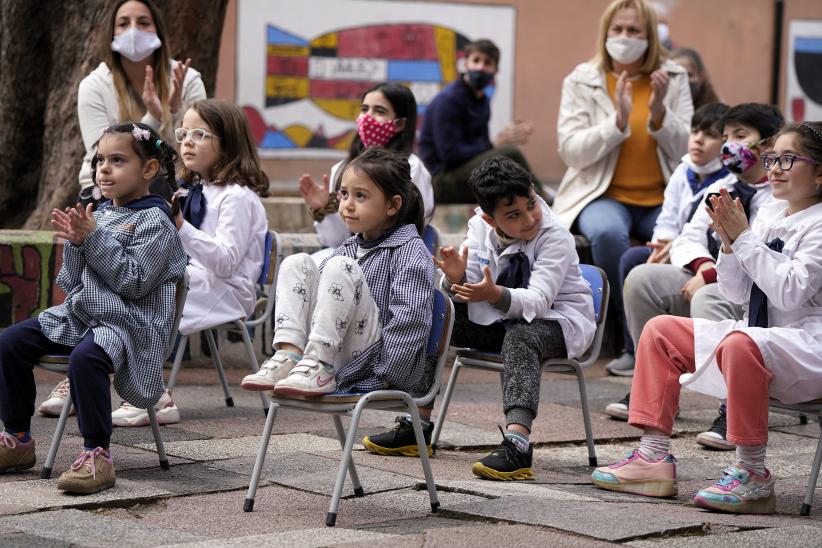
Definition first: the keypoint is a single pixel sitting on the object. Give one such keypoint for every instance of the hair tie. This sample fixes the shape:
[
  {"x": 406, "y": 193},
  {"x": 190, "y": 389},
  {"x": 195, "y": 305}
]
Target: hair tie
[
  {"x": 158, "y": 143},
  {"x": 815, "y": 133}
]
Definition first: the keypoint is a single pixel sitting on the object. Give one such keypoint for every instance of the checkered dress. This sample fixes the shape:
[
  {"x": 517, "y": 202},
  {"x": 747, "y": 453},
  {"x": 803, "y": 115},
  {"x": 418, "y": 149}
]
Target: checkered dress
[
  {"x": 400, "y": 276},
  {"x": 121, "y": 284}
]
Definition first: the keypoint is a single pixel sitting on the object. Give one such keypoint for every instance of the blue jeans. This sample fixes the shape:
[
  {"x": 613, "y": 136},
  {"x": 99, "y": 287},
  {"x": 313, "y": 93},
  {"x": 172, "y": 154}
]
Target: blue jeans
[
  {"x": 609, "y": 225},
  {"x": 633, "y": 256}
]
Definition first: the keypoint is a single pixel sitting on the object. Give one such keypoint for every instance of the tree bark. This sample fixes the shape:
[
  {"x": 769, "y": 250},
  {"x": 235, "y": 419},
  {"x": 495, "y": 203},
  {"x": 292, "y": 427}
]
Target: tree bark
[{"x": 46, "y": 48}]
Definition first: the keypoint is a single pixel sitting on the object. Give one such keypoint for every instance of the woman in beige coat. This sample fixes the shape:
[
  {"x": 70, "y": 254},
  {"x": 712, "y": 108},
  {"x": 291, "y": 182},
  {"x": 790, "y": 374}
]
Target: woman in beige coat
[{"x": 623, "y": 126}]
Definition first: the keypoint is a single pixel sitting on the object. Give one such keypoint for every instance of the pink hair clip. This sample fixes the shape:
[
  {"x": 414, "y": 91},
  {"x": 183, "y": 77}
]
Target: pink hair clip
[{"x": 140, "y": 134}]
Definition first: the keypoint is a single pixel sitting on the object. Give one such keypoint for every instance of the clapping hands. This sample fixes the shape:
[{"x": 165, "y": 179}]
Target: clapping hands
[{"x": 74, "y": 224}]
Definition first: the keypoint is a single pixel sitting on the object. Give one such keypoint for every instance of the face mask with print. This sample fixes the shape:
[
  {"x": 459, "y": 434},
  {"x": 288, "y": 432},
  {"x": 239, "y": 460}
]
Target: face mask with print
[
  {"x": 738, "y": 157},
  {"x": 711, "y": 167},
  {"x": 626, "y": 50},
  {"x": 479, "y": 79},
  {"x": 135, "y": 45},
  {"x": 373, "y": 133}
]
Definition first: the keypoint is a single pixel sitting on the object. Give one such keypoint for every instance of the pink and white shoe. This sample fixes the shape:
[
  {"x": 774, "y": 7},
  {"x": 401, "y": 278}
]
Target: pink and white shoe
[
  {"x": 638, "y": 476},
  {"x": 310, "y": 377},
  {"x": 740, "y": 491}
]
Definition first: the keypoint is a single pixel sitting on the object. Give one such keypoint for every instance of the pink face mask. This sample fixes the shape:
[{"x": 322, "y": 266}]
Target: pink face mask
[{"x": 373, "y": 133}]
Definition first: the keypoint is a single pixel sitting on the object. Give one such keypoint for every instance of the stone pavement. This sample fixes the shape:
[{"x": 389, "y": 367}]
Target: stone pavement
[{"x": 199, "y": 501}]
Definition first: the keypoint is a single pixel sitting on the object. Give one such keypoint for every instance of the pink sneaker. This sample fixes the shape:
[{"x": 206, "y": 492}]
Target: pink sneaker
[
  {"x": 740, "y": 491},
  {"x": 638, "y": 476}
]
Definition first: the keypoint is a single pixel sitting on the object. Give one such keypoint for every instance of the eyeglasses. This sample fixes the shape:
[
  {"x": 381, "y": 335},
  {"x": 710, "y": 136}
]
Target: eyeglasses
[
  {"x": 785, "y": 161},
  {"x": 196, "y": 135}
]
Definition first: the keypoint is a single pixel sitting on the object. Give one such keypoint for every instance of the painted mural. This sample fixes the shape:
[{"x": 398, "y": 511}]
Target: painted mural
[
  {"x": 315, "y": 69},
  {"x": 804, "y": 89}
]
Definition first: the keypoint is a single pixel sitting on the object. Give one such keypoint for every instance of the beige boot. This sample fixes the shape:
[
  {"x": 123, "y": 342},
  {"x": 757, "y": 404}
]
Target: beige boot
[{"x": 93, "y": 471}]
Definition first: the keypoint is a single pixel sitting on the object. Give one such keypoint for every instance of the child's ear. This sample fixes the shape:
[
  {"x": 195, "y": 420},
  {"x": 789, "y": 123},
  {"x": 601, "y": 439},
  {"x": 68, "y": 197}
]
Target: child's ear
[
  {"x": 151, "y": 168},
  {"x": 400, "y": 123},
  {"x": 490, "y": 220},
  {"x": 394, "y": 205}
]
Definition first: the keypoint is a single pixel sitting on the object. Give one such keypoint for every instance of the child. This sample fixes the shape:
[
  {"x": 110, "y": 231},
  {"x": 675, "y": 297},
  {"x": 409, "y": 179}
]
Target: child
[
  {"x": 687, "y": 287},
  {"x": 387, "y": 119},
  {"x": 222, "y": 226},
  {"x": 120, "y": 269},
  {"x": 360, "y": 321},
  {"x": 775, "y": 268},
  {"x": 700, "y": 167},
  {"x": 519, "y": 274}
]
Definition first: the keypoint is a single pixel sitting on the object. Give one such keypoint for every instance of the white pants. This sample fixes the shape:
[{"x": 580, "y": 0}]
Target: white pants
[{"x": 331, "y": 315}]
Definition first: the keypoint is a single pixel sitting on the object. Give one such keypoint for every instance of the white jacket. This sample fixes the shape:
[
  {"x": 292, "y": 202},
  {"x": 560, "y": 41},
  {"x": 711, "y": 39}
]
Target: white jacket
[
  {"x": 97, "y": 109},
  {"x": 226, "y": 257},
  {"x": 556, "y": 290},
  {"x": 792, "y": 281},
  {"x": 679, "y": 200},
  {"x": 692, "y": 243},
  {"x": 589, "y": 139},
  {"x": 332, "y": 232}
]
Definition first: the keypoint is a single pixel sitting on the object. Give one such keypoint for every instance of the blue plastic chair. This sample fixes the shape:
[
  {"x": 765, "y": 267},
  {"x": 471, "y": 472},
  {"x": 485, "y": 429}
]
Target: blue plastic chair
[
  {"x": 431, "y": 238},
  {"x": 492, "y": 361},
  {"x": 352, "y": 405}
]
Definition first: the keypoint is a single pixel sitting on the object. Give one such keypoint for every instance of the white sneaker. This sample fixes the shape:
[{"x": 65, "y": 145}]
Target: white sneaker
[
  {"x": 274, "y": 369},
  {"x": 128, "y": 415},
  {"x": 54, "y": 404},
  {"x": 308, "y": 378}
]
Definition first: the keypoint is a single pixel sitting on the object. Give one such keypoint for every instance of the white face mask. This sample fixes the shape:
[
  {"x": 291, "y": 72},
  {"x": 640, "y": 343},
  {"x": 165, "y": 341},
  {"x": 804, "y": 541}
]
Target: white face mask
[
  {"x": 135, "y": 45},
  {"x": 626, "y": 50},
  {"x": 664, "y": 32},
  {"x": 711, "y": 167}
]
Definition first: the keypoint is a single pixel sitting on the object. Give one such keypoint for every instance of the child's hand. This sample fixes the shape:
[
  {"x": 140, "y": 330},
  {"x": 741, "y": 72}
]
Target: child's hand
[
  {"x": 692, "y": 286},
  {"x": 728, "y": 218},
  {"x": 484, "y": 291},
  {"x": 659, "y": 88},
  {"x": 315, "y": 195},
  {"x": 452, "y": 264},
  {"x": 660, "y": 251},
  {"x": 74, "y": 224},
  {"x": 623, "y": 100}
]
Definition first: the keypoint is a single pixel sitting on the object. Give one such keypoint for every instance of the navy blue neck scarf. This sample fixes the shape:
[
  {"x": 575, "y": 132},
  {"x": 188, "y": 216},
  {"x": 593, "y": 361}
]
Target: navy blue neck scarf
[
  {"x": 370, "y": 244},
  {"x": 194, "y": 205},
  {"x": 758, "y": 305},
  {"x": 146, "y": 202},
  {"x": 517, "y": 273}
]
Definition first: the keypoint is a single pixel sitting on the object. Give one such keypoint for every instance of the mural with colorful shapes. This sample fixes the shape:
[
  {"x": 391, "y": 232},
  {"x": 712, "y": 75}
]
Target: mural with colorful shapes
[
  {"x": 804, "y": 89},
  {"x": 319, "y": 56}
]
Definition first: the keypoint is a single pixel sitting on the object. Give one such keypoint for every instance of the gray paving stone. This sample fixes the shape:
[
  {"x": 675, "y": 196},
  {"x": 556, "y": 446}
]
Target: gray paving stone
[
  {"x": 205, "y": 450},
  {"x": 25, "y": 540},
  {"x": 497, "y": 489},
  {"x": 800, "y": 535},
  {"x": 188, "y": 479},
  {"x": 90, "y": 529},
  {"x": 305, "y": 538},
  {"x": 43, "y": 494}
]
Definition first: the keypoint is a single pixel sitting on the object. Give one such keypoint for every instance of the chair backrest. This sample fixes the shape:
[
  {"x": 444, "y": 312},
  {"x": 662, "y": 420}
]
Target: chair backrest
[
  {"x": 271, "y": 258},
  {"x": 438, "y": 341},
  {"x": 600, "y": 293},
  {"x": 180, "y": 296},
  {"x": 431, "y": 238}
]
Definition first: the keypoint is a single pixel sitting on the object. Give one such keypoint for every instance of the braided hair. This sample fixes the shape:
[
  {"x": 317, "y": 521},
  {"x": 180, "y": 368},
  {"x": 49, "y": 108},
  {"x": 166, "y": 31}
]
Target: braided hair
[{"x": 148, "y": 146}]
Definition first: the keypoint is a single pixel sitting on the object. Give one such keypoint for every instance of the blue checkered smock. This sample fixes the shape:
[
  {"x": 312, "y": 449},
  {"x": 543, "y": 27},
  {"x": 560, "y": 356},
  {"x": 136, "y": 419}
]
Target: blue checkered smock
[
  {"x": 400, "y": 276},
  {"x": 121, "y": 284}
]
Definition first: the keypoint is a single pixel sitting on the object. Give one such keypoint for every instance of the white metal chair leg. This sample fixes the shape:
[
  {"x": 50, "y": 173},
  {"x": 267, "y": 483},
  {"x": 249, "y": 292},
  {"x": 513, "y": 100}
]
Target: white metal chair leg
[
  {"x": 352, "y": 469},
  {"x": 817, "y": 462},
  {"x": 424, "y": 460},
  {"x": 586, "y": 417},
  {"x": 178, "y": 360},
  {"x": 218, "y": 364},
  {"x": 252, "y": 358},
  {"x": 248, "y": 504},
  {"x": 45, "y": 473},
  {"x": 158, "y": 439},
  {"x": 331, "y": 516},
  {"x": 446, "y": 400}
]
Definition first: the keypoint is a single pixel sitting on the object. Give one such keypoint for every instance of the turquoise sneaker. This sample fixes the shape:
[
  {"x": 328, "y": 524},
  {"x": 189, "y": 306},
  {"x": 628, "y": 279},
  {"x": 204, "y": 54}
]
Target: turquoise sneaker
[{"x": 740, "y": 491}]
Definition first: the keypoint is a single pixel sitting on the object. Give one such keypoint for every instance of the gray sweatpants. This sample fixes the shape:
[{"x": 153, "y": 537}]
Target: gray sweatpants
[
  {"x": 656, "y": 289},
  {"x": 524, "y": 347}
]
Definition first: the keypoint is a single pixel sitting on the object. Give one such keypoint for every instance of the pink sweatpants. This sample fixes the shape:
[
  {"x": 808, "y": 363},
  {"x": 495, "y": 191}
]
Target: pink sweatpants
[{"x": 666, "y": 351}]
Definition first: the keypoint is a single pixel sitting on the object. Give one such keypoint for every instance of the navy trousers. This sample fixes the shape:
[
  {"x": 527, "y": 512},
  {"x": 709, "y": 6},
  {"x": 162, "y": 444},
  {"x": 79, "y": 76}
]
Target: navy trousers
[{"x": 21, "y": 347}]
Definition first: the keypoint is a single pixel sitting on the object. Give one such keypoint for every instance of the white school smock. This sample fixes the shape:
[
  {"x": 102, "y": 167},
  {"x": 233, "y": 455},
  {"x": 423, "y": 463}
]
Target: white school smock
[
  {"x": 332, "y": 231},
  {"x": 97, "y": 109},
  {"x": 692, "y": 242},
  {"x": 226, "y": 257},
  {"x": 556, "y": 289},
  {"x": 678, "y": 202},
  {"x": 792, "y": 282}
]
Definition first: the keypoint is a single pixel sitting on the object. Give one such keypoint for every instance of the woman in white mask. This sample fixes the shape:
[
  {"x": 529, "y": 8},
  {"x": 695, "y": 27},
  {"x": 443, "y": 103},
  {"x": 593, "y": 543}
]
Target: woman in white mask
[
  {"x": 623, "y": 127},
  {"x": 137, "y": 80}
]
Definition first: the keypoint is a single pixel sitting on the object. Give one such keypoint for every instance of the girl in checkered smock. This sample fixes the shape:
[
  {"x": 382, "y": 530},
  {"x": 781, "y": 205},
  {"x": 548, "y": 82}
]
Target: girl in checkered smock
[
  {"x": 121, "y": 264},
  {"x": 360, "y": 321}
]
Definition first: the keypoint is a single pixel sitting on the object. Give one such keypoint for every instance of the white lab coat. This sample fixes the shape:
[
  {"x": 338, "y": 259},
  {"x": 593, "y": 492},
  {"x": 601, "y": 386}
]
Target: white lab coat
[
  {"x": 556, "y": 289},
  {"x": 226, "y": 257},
  {"x": 332, "y": 231},
  {"x": 692, "y": 242},
  {"x": 792, "y": 282},
  {"x": 679, "y": 200}
]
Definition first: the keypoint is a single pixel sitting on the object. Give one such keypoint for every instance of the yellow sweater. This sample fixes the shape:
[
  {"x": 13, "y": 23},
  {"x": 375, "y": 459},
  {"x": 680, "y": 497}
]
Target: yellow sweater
[{"x": 637, "y": 179}]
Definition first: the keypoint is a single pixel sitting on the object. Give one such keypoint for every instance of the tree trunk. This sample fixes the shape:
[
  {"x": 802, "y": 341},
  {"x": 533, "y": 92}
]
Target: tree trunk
[{"x": 46, "y": 48}]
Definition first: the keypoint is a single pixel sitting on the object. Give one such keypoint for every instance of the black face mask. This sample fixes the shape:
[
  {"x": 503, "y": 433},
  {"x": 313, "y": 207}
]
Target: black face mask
[{"x": 479, "y": 79}]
